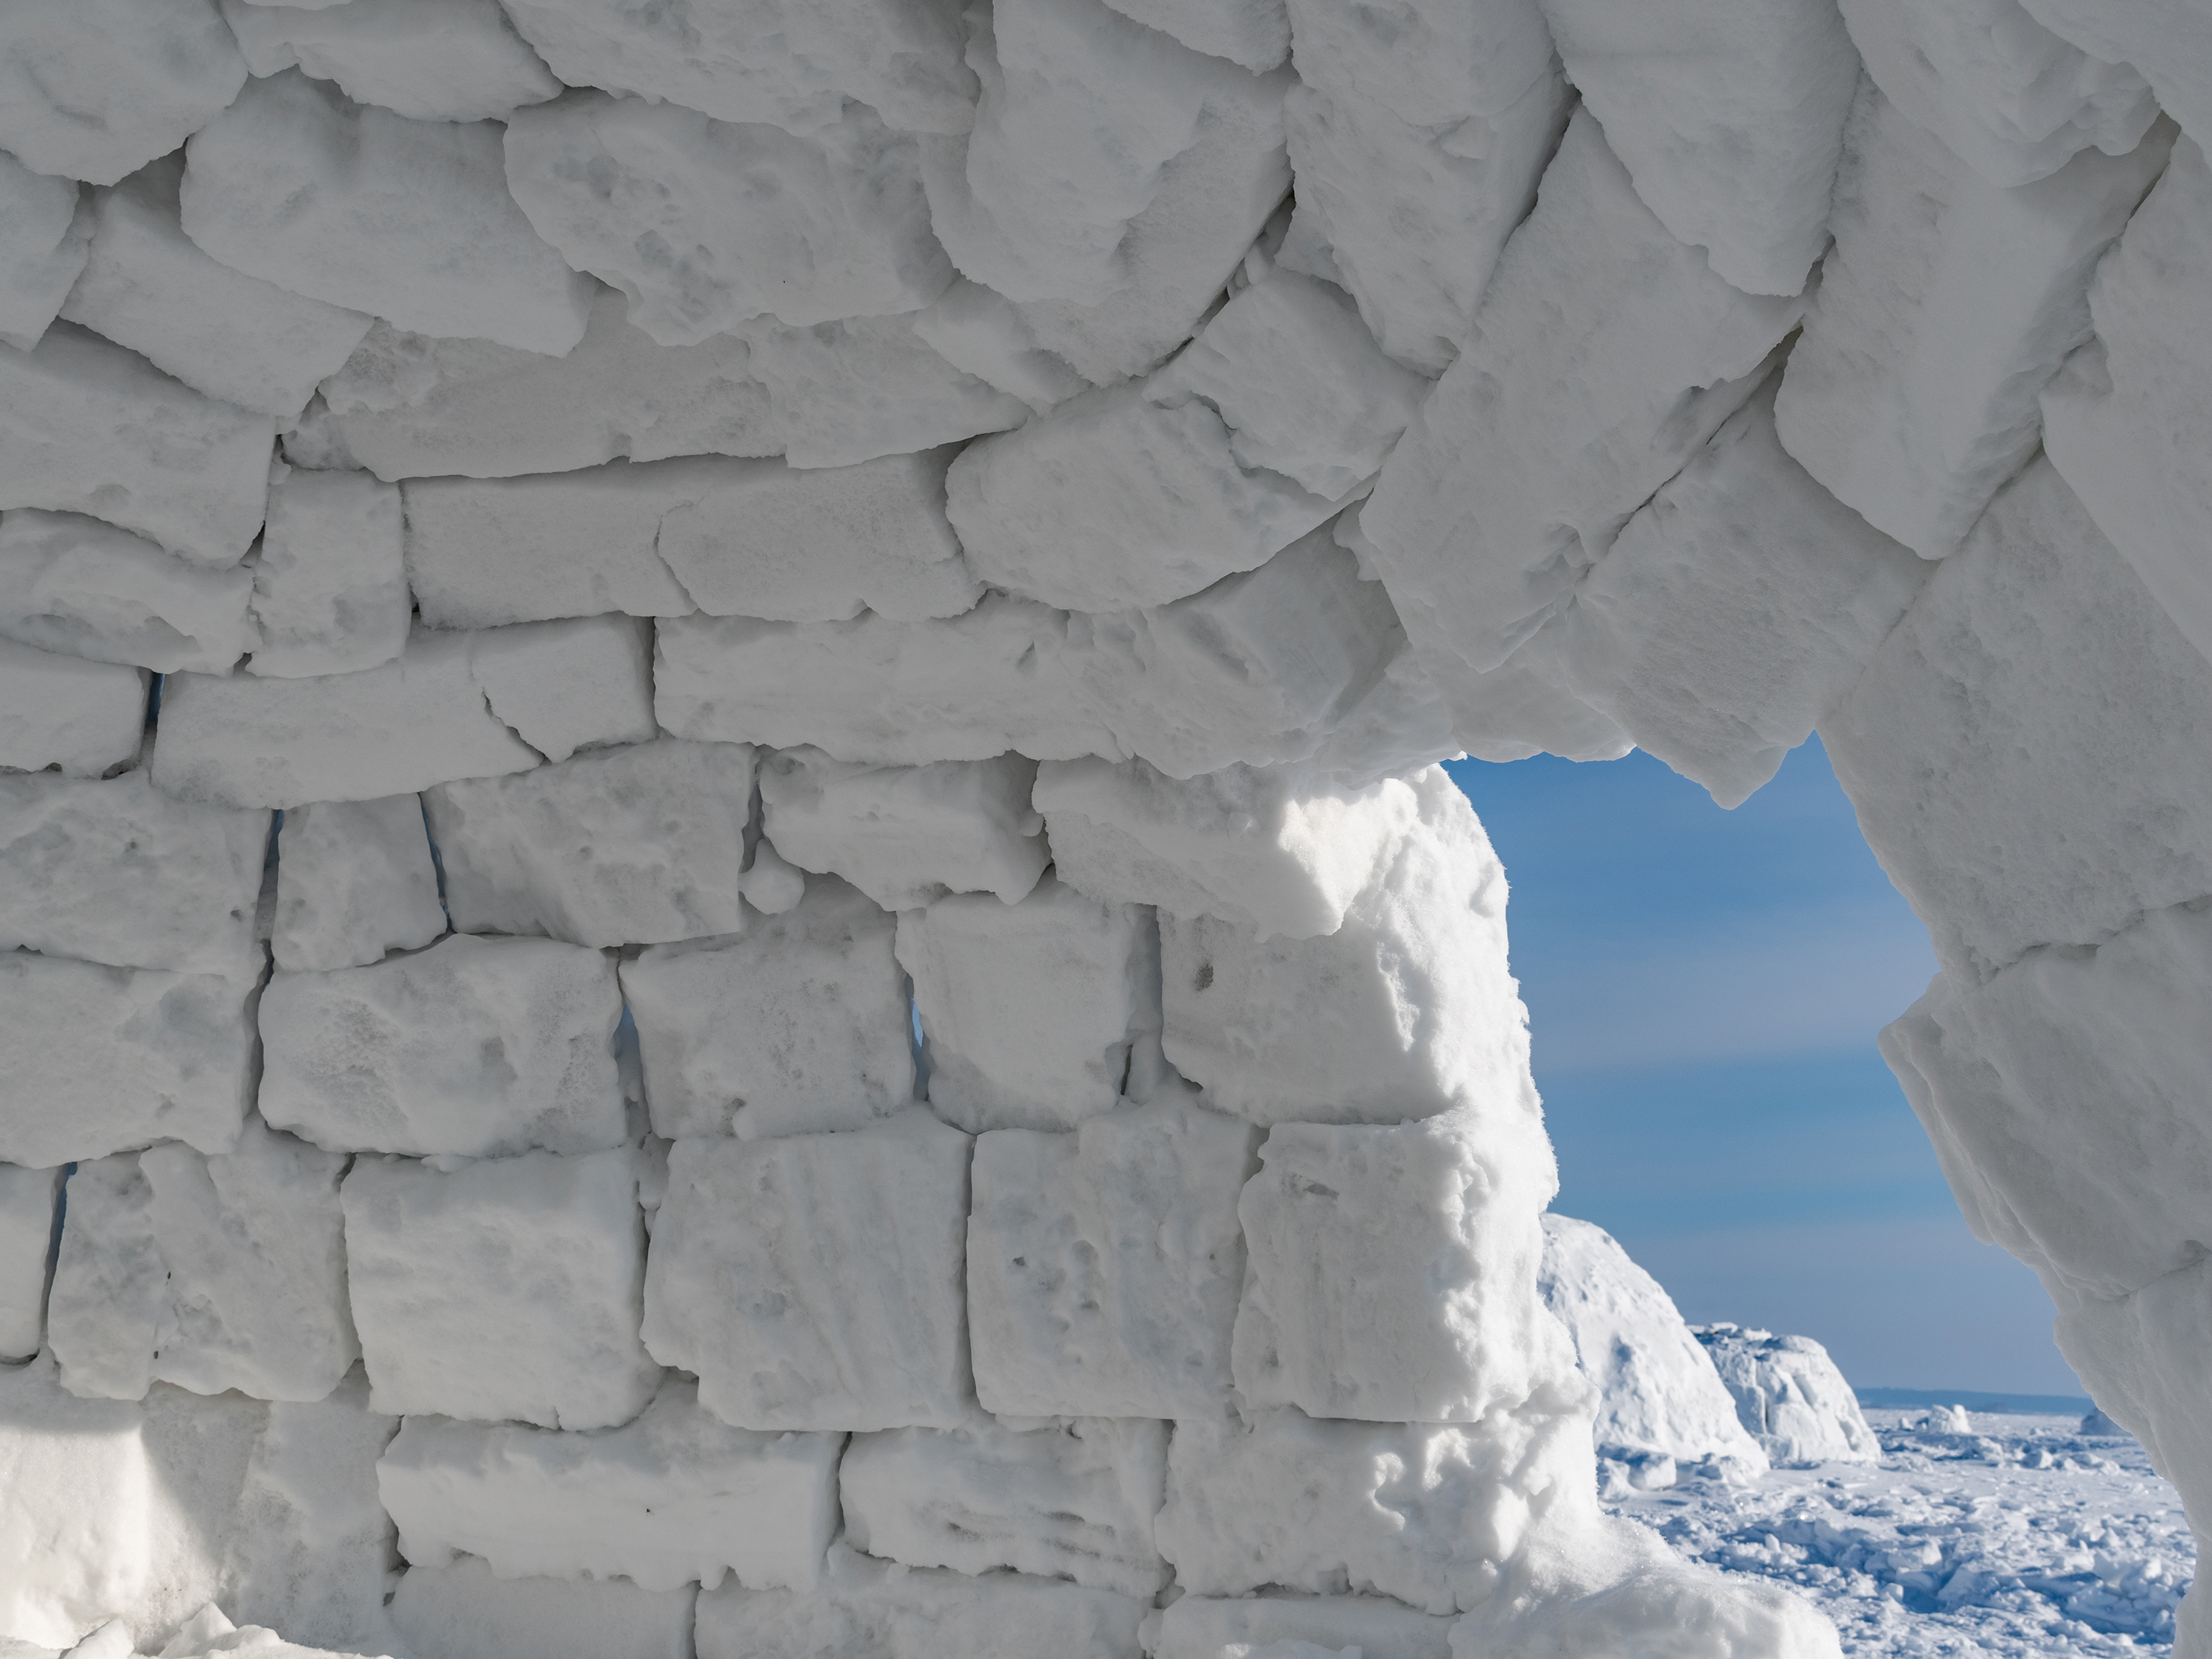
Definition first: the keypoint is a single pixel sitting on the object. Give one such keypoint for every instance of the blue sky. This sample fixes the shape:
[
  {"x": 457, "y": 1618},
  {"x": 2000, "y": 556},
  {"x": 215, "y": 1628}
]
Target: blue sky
[{"x": 1705, "y": 988}]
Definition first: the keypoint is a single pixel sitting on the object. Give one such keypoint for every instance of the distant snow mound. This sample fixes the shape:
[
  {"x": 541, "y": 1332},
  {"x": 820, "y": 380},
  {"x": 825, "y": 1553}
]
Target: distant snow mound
[
  {"x": 2097, "y": 1424},
  {"x": 1791, "y": 1395},
  {"x": 1662, "y": 1396}
]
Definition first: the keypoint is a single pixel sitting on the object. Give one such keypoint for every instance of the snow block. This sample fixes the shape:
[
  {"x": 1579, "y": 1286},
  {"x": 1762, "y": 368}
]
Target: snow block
[
  {"x": 354, "y": 880},
  {"x": 394, "y": 729},
  {"x": 1406, "y": 1010},
  {"x": 1208, "y": 1628},
  {"x": 2165, "y": 40},
  {"x": 1392, "y": 1273},
  {"x": 1285, "y": 850},
  {"x": 1428, "y": 1513},
  {"x": 1130, "y": 496},
  {"x": 210, "y": 1272},
  {"x": 329, "y": 589},
  {"x": 47, "y": 236},
  {"x": 103, "y": 1060},
  {"x": 1730, "y": 118},
  {"x": 1028, "y": 1010},
  {"x": 84, "y": 718},
  {"x": 814, "y": 1281},
  {"x": 1070, "y": 1499},
  {"x": 2003, "y": 92},
  {"x": 787, "y": 64},
  {"x": 906, "y": 834},
  {"x": 1004, "y": 676},
  {"x": 706, "y": 224},
  {"x": 581, "y": 683},
  {"x": 2020, "y": 749},
  {"x": 147, "y": 286},
  {"x": 502, "y": 1289},
  {"x": 1947, "y": 304},
  {"x": 1605, "y": 352},
  {"x": 639, "y": 844},
  {"x": 1252, "y": 33},
  {"x": 2007, "y": 1077},
  {"x": 798, "y": 1025},
  {"x": 674, "y": 1497},
  {"x": 410, "y": 220},
  {"x": 112, "y": 871},
  {"x": 409, "y": 406},
  {"x": 1103, "y": 1263},
  {"x": 88, "y": 427},
  {"x": 95, "y": 91},
  {"x": 429, "y": 60},
  {"x": 475, "y": 1048},
  {"x": 1791, "y": 1395},
  {"x": 1742, "y": 545},
  {"x": 888, "y": 1612},
  {"x": 2123, "y": 420},
  {"x": 1258, "y": 669},
  {"x": 466, "y": 1612},
  {"x": 27, "y": 1233},
  {"x": 1658, "y": 1394},
  {"x": 76, "y": 586}
]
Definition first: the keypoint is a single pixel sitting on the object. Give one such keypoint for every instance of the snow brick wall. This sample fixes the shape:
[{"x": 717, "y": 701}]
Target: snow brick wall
[{"x": 728, "y": 926}]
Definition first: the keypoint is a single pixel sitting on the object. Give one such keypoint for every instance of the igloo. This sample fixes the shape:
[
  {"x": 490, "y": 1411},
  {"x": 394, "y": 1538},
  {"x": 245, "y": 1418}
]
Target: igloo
[{"x": 935, "y": 1071}]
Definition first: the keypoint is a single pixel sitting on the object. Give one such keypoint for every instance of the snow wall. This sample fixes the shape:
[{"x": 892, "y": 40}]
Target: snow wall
[{"x": 868, "y": 1030}]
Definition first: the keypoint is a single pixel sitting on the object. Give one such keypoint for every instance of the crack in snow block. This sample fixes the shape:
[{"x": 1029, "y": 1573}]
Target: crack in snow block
[
  {"x": 798, "y": 1025},
  {"x": 112, "y": 871},
  {"x": 1946, "y": 305},
  {"x": 1658, "y": 1394},
  {"x": 464, "y": 1608},
  {"x": 46, "y": 236},
  {"x": 1208, "y": 1628},
  {"x": 410, "y": 220},
  {"x": 147, "y": 286},
  {"x": 1428, "y": 1513},
  {"x": 1254, "y": 34},
  {"x": 1390, "y": 1273},
  {"x": 502, "y": 1288},
  {"x": 2127, "y": 420},
  {"x": 884, "y": 1611},
  {"x": 907, "y": 835},
  {"x": 354, "y": 881},
  {"x": 1737, "y": 607},
  {"x": 94, "y": 91},
  {"x": 814, "y": 1281},
  {"x": 639, "y": 844},
  {"x": 1028, "y": 1010},
  {"x": 706, "y": 224},
  {"x": 2003, "y": 93},
  {"x": 674, "y": 1497},
  {"x": 1285, "y": 850},
  {"x": 2012, "y": 1080},
  {"x": 581, "y": 682},
  {"x": 1791, "y": 1395},
  {"x": 1730, "y": 118},
  {"x": 406, "y": 405},
  {"x": 1103, "y": 1263},
  {"x": 2165, "y": 40},
  {"x": 72, "y": 585},
  {"x": 1070, "y": 1498},
  {"x": 475, "y": 1048},
  {"x": 773, "y": 61},
  {"x": 330, "y": 588},
  {"x": 88, "y": 427},
  {"x": 1604, "y": 353},
  {"x": 103, "y": 1060},
  {"x": 27, "y": 1233},
  {"x": 2025, "y": 751},
  {"x": 210, "y": 1272},
  {"x": 1406, "y": 1010},
  {"x": 1004, "y": 676},
  {"x": 84, "y": 718},
  {"x": 429, "y": 60},
  {"x": 1418, "y": 146}
]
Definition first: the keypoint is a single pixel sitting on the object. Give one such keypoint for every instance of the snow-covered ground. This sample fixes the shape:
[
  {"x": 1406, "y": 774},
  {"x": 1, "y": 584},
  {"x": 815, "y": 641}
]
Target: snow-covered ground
[{"x": 2022, "y": 1537}]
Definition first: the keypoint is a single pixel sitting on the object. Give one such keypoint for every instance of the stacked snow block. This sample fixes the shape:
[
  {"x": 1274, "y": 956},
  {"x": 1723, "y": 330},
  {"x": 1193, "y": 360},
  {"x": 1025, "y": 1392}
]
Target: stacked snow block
[{"x": 728, "y": 923}]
